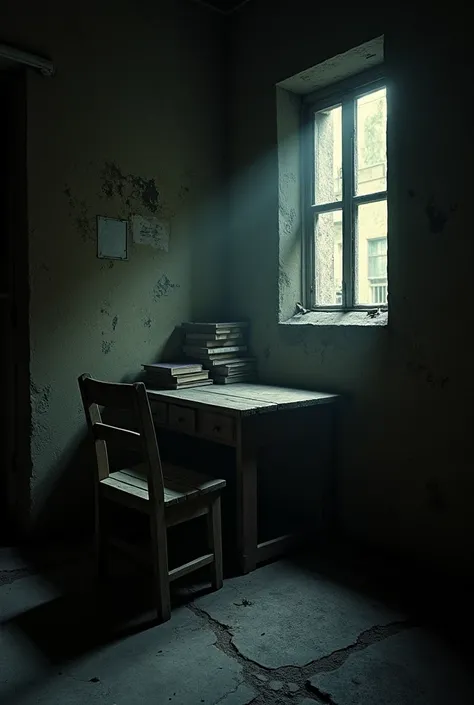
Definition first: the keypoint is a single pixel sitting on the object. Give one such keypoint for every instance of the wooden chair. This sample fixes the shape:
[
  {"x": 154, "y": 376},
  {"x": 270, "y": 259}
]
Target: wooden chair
[{"x": 170, "y": 495}]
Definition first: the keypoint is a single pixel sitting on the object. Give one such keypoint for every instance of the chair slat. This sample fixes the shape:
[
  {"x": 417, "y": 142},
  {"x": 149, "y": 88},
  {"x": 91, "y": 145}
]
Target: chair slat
[
  {"x": 131, "y": 480},
  {"x": 111, "y": 394},
  {"x": 120, "y": 436},
  {"x": 118, "y": 485}
]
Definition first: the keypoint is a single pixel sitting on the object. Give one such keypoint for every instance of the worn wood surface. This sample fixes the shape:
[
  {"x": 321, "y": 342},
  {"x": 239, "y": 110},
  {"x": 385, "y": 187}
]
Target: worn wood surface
[
  {"x": 199, "y": 399},
  {"x": 277, "y": 397},
  {"x": 244, "y": 399}
]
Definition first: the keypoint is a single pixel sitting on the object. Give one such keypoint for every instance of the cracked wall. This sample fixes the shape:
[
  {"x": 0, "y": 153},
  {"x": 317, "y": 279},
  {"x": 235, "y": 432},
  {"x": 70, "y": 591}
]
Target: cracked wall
[
  {"x": 129, "y": 125},
  {"x": 406, "y": 453}
]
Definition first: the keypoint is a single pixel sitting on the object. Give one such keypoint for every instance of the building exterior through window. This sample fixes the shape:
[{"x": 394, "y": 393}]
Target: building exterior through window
[{"x": 350, "y": 183}]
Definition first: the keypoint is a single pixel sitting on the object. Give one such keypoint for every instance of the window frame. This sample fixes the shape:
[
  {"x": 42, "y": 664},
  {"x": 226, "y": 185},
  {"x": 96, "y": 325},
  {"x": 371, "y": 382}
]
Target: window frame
[{"x": 344, "y": 93}]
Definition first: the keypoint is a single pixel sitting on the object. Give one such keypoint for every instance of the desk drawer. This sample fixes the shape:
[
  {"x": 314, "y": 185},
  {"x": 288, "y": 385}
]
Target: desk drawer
[
  {"x": 181, "y": 418},
  {"x": 217, "y": 426},
  {"x": 159, "y": 409}
]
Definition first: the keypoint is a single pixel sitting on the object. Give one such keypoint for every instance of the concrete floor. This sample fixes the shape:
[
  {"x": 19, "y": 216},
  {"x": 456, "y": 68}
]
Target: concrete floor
[{"x": 287, "y": 633}]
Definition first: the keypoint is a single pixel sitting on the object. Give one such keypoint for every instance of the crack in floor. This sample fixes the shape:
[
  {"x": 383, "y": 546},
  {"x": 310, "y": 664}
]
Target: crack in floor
[
  {"x": 280, "y": 686},
  {"x": 230, "y": 692}
]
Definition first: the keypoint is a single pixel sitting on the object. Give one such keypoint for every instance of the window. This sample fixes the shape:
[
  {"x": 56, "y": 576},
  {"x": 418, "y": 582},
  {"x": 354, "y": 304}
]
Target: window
[
  {"x": 377, "y": 270},
  {"x": 346, "y": 197}
]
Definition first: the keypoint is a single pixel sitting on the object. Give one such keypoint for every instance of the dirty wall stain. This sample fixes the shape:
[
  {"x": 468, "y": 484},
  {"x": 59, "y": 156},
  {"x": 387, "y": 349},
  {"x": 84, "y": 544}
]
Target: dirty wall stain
[
  {"x": 424, "y": 374},
  {"x": 107, "y": 265},
  {"x": 107, "y": 346},
  {"x": 130, "y": 188},
  {"x": 78, "y": 212},
  {"x": 163, "y": 287},
  {"x": 438, "y": 217}
]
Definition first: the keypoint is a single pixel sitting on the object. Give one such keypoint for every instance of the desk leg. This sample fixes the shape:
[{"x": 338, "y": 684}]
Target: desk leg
[
  {"x": 246, "y": 474},
  {"x": 330, "y": 499}
]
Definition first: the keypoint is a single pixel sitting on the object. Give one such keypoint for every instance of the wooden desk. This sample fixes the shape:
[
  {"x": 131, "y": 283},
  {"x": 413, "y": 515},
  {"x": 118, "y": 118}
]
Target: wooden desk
[{"x": 243, "y": 416}]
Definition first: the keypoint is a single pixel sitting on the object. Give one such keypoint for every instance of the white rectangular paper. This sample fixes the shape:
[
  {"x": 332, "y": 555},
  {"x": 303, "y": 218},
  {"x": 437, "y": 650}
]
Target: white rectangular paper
[
  {"x": 148, "y": 230},
  {"x": 111, "y": 238}
]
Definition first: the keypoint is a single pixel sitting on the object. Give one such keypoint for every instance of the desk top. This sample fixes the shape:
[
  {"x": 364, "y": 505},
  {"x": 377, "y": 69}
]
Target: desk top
[{"x": 243, "y": 399}]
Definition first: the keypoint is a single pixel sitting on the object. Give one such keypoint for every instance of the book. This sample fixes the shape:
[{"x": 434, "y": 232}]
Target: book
[
  {"x": 221, "y": 335},
  {"x": 185, "y": 385},
  {"x": 154, "y": 384},
  {"x": 233, "y": 373},
  {"x": 235, "y": 367},
  {"x": 210, "y": 363},
  {"x": 212, "y": 352},
  {"x": 175, "y": 379},
  {"x": 214, "y": 343},
  {"x": 172, "y": 368},
  {"x": 234, "y": 379},
  {"x": 213, "y": 327}
]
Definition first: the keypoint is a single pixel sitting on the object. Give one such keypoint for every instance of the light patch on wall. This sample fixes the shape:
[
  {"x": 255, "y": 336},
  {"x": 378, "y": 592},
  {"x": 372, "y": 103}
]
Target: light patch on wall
[
  {"x": 151, "y": 231},
  {"x": 111, "y": 238}
]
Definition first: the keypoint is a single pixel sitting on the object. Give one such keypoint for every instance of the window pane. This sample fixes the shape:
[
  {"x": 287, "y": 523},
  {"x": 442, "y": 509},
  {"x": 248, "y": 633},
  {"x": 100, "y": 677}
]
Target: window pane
[
  {"x": 328, "y": 258},
  {"x": 328, "y": 156},
  {"x": 371, "y": 253},
  {"x": 371, "y": 141}
]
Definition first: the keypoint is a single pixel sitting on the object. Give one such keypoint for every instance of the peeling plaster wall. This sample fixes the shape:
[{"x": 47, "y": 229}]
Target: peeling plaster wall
[
  {"x": 405, "y": 479},
  {"x": 129, "y": 125}
]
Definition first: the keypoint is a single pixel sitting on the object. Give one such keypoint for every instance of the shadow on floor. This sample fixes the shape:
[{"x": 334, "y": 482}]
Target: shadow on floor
[{"x": 81, "y": 616}]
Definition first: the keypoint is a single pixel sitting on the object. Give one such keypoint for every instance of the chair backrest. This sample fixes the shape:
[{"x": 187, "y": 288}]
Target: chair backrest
[{"x": 133, "y": 399}]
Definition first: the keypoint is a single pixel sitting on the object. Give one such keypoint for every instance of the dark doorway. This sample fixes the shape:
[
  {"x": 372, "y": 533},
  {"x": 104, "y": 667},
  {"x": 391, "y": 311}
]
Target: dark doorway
[{"x": 14, "y": 339}]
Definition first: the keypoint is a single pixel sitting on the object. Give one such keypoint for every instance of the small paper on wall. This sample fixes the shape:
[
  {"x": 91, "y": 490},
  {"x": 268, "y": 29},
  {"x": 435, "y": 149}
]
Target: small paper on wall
[{"x": 147, "y": 230}]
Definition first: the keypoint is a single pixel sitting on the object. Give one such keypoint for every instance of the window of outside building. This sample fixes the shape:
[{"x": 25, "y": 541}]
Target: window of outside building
[{"x": 346, "y": 198}]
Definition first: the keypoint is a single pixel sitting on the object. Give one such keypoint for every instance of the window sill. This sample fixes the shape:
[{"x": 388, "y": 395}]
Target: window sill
[{"x": 359, "y": 319}]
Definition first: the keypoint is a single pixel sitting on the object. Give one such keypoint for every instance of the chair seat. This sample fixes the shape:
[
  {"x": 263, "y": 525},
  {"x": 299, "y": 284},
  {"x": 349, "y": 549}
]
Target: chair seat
[{"x": 180, "y": 484}]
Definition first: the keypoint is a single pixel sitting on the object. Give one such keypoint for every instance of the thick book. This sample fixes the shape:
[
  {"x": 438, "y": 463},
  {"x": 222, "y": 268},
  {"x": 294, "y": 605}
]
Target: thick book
[
  {"x": 178, "y": 385},
  {"x": 179, "y": 379},
  {"x": 210, "y": 364},
  {"x": 212, "y": 352},
  {"x": 234, "y": 379},
  {"x": 212, "y": 344},
  {"x": 240, "y": 367},
  {"x": 213, "y": 327},
  {"x": 173, "y": 369},
  {"x": 232, "y": 373},
  {"x": 215, "y": 337}
]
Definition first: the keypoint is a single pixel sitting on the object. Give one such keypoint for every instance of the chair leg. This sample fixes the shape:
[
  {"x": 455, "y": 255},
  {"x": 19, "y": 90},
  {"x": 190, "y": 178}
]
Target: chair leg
[
  {"x": 159, "y": 547},
  {"x": 100, "y": 548},
  {"x": 215, "y": 542}
]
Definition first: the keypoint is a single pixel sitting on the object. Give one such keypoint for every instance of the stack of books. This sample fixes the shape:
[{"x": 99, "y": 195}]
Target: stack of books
[
  {"x": 222, "y": 349},
  {"x": 175, "y": 375}
]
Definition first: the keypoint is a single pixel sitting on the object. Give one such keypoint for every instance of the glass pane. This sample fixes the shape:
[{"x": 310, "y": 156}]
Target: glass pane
[
  {"x": 328, "y": 155},
  {"x": 328, "y": 258},
  {"x": 371, "y": 254},
  {"x": 371, "y": 140}
]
